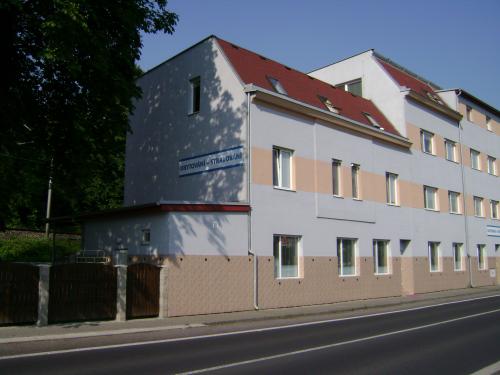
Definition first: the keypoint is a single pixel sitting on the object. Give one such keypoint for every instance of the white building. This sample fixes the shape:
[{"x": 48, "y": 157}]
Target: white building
[{"x": 256, "y": 185}]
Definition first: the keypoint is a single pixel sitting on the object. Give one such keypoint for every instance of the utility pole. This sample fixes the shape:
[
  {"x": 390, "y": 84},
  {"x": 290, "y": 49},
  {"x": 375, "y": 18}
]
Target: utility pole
[{"x": 49, "y": 197}]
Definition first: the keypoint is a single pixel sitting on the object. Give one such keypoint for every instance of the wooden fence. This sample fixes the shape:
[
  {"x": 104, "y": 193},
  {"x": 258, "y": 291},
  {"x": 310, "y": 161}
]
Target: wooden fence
[
  {"x": 82, "y": 292},
  {"x": 18, "y": 293},
  {"x": 143, "y": 290}
]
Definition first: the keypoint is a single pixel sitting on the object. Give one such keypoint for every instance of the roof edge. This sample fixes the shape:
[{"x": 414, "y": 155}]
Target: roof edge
[
  {"x": 476, "y": 100},
  {"x": 339, "y": 61},
  {"x": 444, "y": 110}
]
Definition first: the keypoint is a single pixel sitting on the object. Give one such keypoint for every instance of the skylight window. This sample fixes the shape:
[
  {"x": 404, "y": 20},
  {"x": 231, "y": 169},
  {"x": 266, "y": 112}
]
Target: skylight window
[
  {"x": 373, "y": 121},
  {"x": 328, "y": 104},
  {"x": 434, "y": 97},
  {"x": 278, "y": 87}
]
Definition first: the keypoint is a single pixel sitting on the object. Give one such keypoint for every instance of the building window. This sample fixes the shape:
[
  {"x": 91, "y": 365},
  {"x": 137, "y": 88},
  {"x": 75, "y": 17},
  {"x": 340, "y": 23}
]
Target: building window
[
  {"x": 468, "y": 113},
  {"x": 282, "y": 168},
  {"x": 355, "y": 180},
  {"x": 450, "y": 149},
  {"x": 434, "y": 258},
  {"x": 391, "y": 181},
  {"x": 494, "y": 209},
  {"x": 474, "y": 159},
  {"x": 195, "y": 95},
  {"x": 491, "y": 165},
  {"x": 372, "y": 121},
  {"x": 328, "y": 104},
  {"x": 403, "y": 246},
  {"x": 454, "y": 202},
  {"x": 497, "y": 247},
  {"x": 430, "y": 198},
  {"x": 354, "y": 87},
  {"x": 478, "y": 206},
  {"x": 346, "y": 254},
  {"x": 278, "y": 87},
  {"x": 489, "y": 124},
  {"x": 381, "y": 256},
  {"x": 482, "y": 257},
  {"x": 145, "y": 237},
  {"x": 457, "y": 257},
  {"x": 336, "y": 173},
  {"x": 426, "y": 140},
  {"x": 286, "y": 256}
]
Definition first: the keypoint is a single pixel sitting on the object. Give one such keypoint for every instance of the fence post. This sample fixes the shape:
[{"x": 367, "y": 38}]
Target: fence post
[
  {"x": 43, "y": 295},
  {"x": 163, "y": 313},
  {"x": 121, "y": 293}
]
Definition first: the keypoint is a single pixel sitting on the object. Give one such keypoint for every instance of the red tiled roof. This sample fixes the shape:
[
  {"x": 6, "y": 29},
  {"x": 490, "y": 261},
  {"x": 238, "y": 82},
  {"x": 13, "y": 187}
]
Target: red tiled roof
[
  {"x": 255, "y": 69},
  {"x": 407, "y": 80}
]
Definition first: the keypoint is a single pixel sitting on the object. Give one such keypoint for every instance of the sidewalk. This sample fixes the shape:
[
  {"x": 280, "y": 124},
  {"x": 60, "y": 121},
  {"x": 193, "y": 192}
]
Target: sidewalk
[{"x": 12, "y": 334}]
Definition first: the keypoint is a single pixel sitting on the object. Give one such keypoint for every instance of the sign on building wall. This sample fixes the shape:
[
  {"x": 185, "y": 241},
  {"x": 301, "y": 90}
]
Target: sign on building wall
[
  {"x": 231, "y": 157},
  {"x": 493, "y": 230}
]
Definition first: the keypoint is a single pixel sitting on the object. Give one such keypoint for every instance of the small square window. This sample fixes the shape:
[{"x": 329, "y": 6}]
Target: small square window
[
  {"x": 372, "y": 121},
  {"x": 426, "y": 140},
  {"x": 404, "y": 246},
  {"x": 478, "y": 206},
  {"x": 450, "y": 149},
  {"x": 145, "y": 237},
  {"x": 430, "y": 198},
  {"x": 195, "y": 95},
  {"x": 282, "y": 168},
  {"x": 468, "y": 113},
  {"x": 328, "y": 104},
  {"x": 346, "y": 254},
  {"x": 474, "y": 159},
  {"x": 489, "y": 124},
  {"x": 434, "y": 257}
]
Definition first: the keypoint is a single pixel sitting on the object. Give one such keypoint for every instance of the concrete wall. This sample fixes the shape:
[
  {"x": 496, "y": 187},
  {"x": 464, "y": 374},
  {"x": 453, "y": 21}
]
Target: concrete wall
[{"x": 163, "y": 130}]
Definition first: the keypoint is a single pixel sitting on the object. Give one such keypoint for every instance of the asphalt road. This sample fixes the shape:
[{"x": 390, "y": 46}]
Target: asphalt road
[{"x": 454, "y": 338}]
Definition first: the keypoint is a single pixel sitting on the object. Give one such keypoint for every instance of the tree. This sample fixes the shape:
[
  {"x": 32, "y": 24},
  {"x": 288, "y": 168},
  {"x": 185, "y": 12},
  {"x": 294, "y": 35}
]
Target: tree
[{"x": 67, "y": 91}]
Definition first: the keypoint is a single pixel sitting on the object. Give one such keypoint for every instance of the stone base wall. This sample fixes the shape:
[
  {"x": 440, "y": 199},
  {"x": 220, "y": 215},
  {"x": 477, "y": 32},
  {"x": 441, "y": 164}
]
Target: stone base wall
[{"x": 482, "y": 277}]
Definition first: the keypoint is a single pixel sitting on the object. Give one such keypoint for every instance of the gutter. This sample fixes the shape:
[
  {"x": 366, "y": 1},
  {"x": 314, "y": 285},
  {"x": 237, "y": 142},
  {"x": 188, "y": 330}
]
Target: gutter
[
  {"x": 249, "y": 196},
  {"x": 286, "y": 102},
  {"x": 464, "y": 202}
]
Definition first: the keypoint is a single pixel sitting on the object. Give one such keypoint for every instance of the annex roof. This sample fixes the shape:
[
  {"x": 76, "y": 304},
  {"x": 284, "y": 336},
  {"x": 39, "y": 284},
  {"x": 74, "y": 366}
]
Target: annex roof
[{"x": 258, "y": 70}]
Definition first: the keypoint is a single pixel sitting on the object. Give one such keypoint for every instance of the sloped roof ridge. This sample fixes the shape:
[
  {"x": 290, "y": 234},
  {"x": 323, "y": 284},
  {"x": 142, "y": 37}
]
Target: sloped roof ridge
[{"x": 407, "y": 71}]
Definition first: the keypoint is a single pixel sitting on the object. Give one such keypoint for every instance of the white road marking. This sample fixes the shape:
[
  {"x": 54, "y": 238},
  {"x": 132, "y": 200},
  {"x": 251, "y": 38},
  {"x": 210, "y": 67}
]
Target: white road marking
[
  {"x": 329, "y": 346},
  {"x": 491, "y": 369},
  {"x": 257, "y": 330}
]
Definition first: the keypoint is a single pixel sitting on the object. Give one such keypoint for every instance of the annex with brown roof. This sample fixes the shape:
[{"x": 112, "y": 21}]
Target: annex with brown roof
[{"x": 258, "y": 70}]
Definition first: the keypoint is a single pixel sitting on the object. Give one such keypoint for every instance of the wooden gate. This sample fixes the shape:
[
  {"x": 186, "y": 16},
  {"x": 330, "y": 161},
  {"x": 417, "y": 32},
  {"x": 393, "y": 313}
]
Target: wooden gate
[
  {"x": 82, "y": 291},
  {"x": 18, "y": 293},
  {"x": 143, "y": 291}
]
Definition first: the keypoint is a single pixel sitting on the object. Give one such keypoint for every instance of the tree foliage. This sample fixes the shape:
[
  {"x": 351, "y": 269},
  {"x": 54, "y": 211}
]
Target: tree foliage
[{"x": 67, "y": 91}]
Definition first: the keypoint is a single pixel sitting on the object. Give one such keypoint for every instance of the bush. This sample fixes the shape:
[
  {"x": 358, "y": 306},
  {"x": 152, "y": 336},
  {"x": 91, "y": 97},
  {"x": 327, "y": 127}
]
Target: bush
[{"x": 25, "y": 249}]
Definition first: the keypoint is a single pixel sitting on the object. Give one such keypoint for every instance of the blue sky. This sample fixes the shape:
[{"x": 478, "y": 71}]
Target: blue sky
[{"x": 454, "y": 43}]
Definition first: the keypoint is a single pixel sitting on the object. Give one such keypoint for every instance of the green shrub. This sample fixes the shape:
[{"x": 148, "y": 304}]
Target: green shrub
[{"x": 24, "y": 249}]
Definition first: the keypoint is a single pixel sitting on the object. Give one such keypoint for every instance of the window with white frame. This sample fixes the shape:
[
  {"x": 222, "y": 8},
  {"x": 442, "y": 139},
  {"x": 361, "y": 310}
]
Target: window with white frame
[
  {"x": 381, "y": 257},
  {"x": 453, "y": 201},
  {"x": 355, "y": 180},
  {"x": 346, "y": 254},
  {"x": 489, "y": 124},
  {"x": 430, "y": 198},
  {"x": 354, "y": 87},
  {"x": 458, "y": 264},
  {"x": 372, "y": 120},
  {"x": 434, "y": 257},
  {"x": 494, "y": 209},
  {"x": 482, "y": 257},
  {"x": 478, "y": 206},
  {"x": 450, "y": 149},
  {"x": 426, "y": 140},
  {"x": 194, "y": 95},
  {"x": 391, "y": 187},
  {"x": 474, "y": 159},
  {"x": 145, "y": 236},
  {"x": 286, "y": 256},
  {"x": 282, "y": 168},
  {"x": 497, "y": 247},
  {"x": 492, "y": 165},
  {"x": 328, "y": 104},
  {"x": 336, "y": 177},
  {"x": 278, "y": 87},
  {"x": 468, "y": 113}
]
